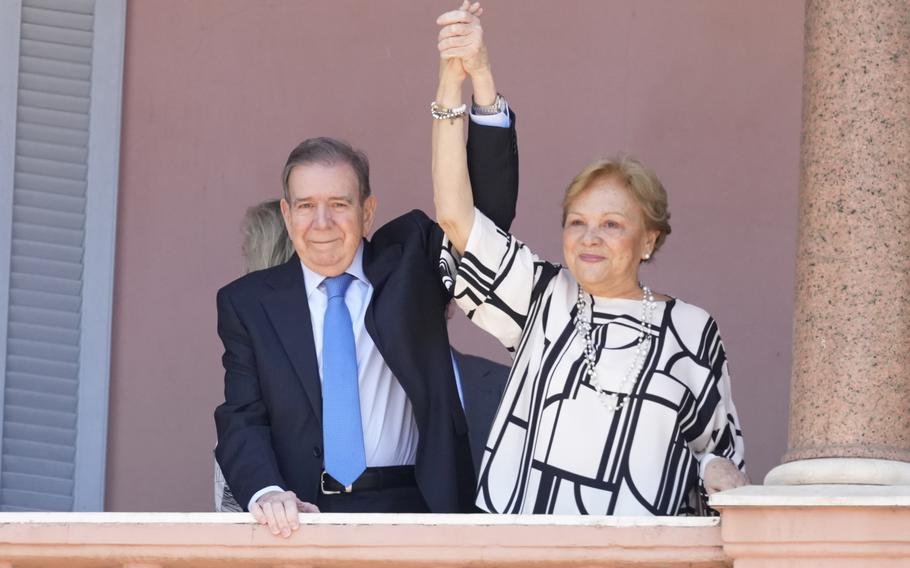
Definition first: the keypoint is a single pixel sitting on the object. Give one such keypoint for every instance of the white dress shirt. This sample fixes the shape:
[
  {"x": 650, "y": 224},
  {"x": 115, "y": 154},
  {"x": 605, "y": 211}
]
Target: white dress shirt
[{"x": 389, "y": 429}]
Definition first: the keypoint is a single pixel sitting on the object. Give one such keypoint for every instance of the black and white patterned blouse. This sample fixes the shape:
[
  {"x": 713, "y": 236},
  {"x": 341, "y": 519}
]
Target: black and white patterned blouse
[{"x": 554, "y": 447}]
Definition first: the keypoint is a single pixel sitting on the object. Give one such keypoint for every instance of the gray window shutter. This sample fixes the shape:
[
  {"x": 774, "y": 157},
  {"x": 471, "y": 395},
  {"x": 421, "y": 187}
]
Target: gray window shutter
[{"x": 63, "y": 120}]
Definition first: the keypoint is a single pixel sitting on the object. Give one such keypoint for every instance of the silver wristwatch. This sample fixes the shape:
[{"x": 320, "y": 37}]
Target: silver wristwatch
[{"x": 497, "y": 107}]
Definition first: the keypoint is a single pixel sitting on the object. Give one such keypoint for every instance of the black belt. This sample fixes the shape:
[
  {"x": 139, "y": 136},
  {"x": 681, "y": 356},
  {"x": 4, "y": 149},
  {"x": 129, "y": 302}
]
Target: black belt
[{"x": 372, "y": 479}]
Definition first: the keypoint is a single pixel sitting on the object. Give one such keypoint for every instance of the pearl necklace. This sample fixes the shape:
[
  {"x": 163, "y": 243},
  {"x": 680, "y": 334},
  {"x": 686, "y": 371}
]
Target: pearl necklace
[{"x": 616, "y": 400}]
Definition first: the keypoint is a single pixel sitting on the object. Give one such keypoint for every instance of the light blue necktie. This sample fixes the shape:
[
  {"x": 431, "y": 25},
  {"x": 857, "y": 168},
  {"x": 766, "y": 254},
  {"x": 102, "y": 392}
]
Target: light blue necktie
[{"x": 342, "y": 432}]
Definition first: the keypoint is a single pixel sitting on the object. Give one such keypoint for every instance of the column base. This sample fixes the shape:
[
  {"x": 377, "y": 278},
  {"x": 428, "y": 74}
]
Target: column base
[{"x": 840, "y": 471}]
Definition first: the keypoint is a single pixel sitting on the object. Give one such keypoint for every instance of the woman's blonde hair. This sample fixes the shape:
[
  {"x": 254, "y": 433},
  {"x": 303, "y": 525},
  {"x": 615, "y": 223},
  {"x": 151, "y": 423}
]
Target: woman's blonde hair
[
  {"x": 639, "y": 179},
  {"x": 265, "y": 238}
]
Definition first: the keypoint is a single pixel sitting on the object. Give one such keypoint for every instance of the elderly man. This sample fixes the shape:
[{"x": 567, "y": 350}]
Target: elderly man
[{"x": 339, "y": 388}]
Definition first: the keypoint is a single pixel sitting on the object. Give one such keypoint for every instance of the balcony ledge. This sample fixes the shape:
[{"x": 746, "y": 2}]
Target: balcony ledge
[
  {"x": 816, "y": 525},
  {"x": 760, "y": 526},
  {"x": 203, "y": 539}
]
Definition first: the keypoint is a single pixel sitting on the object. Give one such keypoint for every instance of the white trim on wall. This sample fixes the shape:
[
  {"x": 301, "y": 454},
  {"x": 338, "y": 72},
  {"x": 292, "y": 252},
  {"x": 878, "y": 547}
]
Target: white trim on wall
[{"x": 98, "y": 271}]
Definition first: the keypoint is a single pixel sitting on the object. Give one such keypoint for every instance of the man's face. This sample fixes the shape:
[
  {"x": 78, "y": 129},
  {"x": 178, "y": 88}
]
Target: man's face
[{"x": 324, "y": 217}]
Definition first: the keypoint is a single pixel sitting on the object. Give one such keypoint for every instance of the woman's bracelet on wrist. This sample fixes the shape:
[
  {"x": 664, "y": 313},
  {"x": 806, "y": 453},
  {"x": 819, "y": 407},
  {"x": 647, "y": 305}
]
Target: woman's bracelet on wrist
[{"x": 440, "y": 112}]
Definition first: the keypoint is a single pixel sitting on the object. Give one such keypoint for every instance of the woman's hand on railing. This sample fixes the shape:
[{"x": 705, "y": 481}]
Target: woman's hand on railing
[{"x": 722, "y": 474}]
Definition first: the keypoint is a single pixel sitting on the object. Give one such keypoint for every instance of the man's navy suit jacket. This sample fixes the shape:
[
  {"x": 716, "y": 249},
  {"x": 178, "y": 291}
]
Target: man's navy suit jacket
[
  {"x": 270, "y": 425},
  {"x": 482, "y": 382}
]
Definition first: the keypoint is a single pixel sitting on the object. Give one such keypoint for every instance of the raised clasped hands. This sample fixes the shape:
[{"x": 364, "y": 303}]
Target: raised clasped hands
[
  {"x": 279, "y": 510},
  {"x": 461, "y": 47}
]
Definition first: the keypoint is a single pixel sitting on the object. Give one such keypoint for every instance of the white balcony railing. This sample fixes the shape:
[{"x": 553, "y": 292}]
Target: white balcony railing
[
  {"x": 209, "y": 539},
  {"x": 800, "y": 527}
]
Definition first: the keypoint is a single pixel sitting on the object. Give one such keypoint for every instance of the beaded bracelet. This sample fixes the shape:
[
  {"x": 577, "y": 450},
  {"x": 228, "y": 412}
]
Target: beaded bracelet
[{"x": 440, "y": 112}]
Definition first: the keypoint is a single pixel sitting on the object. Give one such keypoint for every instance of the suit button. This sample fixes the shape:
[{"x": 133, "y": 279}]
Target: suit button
[{"x": 317, "y": 452}]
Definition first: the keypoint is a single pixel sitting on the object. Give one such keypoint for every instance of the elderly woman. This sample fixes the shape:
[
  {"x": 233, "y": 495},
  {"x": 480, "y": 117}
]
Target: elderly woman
[{"x": 618, "y": 401}]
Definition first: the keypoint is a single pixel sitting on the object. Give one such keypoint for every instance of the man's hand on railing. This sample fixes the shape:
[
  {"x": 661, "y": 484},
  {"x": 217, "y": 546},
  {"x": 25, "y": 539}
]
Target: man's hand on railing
[{"x": 279, "y": 510}]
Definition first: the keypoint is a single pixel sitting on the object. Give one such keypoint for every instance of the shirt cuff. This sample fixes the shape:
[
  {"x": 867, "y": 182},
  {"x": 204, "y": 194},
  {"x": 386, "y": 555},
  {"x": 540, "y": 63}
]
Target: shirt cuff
[
  {"x": 483, "y": 233},
  {"x": 483, "y": 253},
  {"x": 260, "y": 493},
  {"x": 499, "y": 120}
]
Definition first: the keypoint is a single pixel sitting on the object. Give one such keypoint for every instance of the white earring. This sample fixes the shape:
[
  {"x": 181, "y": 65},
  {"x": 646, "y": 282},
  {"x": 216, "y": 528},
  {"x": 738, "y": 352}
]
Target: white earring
[{"x": 647, "y": 256}]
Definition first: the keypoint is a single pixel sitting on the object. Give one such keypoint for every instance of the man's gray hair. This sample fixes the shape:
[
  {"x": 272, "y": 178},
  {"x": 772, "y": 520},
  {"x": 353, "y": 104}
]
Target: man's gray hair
[{"x": 328, "y": 152}]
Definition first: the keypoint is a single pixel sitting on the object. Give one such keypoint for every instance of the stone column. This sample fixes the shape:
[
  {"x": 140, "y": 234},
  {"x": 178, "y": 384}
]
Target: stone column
[{"x": 850, "y": 390}]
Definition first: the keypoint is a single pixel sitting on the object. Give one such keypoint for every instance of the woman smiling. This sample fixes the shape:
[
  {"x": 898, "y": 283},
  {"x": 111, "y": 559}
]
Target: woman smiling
[{"x": 618, "y": 401}]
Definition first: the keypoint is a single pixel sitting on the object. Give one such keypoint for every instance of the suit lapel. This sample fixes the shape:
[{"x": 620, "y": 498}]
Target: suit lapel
[
  {"x": 289, "y": 312},
  {"x": 378, "y": 266}
]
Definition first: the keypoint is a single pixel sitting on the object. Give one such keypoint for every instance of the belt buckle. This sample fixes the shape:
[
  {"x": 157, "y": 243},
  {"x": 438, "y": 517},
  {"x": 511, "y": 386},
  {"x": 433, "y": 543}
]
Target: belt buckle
[{"x": 347, "y": 488}]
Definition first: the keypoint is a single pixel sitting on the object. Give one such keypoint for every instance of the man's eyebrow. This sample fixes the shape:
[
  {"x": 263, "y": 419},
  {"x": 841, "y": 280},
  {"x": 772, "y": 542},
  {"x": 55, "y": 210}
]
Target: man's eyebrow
[{"x": 344, "y": 198}]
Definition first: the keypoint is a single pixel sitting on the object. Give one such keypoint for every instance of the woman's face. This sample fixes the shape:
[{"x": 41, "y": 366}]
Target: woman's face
[{"x": 605, "y": 238}]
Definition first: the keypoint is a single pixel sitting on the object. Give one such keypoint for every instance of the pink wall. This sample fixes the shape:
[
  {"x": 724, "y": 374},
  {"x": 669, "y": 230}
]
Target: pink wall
[{"x": 217, "y": 93}]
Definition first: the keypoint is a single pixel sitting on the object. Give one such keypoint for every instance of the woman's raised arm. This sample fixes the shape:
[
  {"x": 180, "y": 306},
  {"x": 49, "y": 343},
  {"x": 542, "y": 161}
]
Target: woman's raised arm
[{"x": 462, "y": 52}]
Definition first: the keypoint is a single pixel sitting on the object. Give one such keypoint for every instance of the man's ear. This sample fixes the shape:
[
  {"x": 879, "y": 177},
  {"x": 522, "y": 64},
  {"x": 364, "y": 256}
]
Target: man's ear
[
  {"x": 285, "y": 212},
  {"x": 369, "y": 214}
]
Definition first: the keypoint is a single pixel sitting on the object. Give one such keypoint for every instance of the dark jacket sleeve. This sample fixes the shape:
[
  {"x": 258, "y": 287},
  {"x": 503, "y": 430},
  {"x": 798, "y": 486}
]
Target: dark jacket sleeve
[
  {"x": 244, "y": 449},
  {"x": 493, "y": 169}
]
